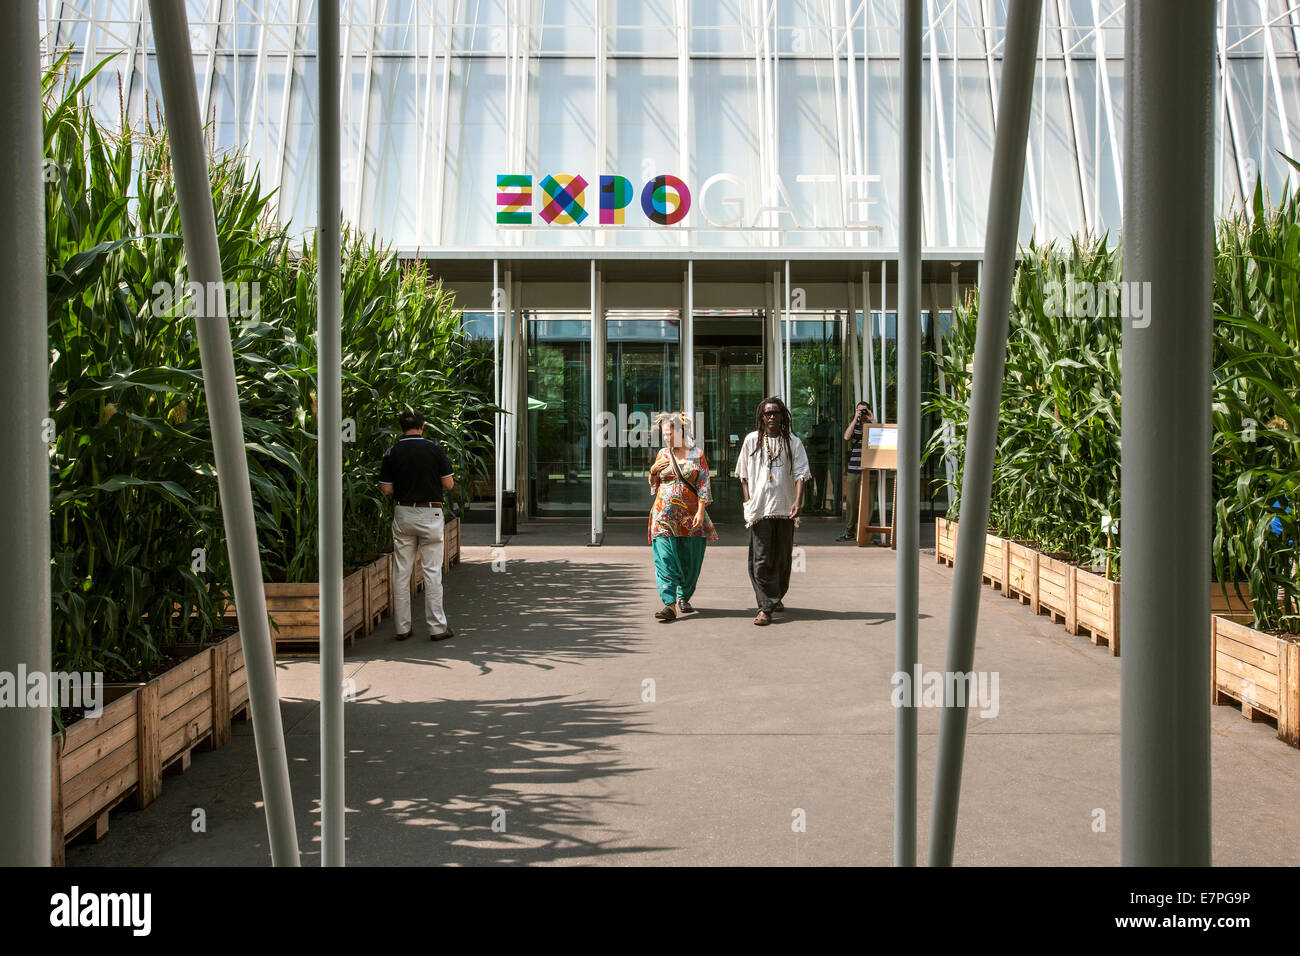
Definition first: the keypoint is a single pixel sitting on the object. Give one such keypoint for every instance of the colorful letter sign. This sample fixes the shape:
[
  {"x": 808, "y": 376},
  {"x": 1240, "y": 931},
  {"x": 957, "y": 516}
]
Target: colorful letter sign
[
  {"x": 514, "y": 200},
  {"x": 562, "y": 199},
  {"x": 665, "y": 200},
  {"x": 615, "y": 194}
]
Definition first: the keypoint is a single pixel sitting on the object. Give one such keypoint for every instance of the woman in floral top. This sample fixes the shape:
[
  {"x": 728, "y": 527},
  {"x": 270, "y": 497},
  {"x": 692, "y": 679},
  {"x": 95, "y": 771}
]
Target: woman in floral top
[{"x": 679, "y": 525}]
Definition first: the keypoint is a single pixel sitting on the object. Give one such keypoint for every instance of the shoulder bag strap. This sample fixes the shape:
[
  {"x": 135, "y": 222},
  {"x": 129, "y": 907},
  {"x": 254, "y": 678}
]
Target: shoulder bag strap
[{"x": 681, "y": 477}]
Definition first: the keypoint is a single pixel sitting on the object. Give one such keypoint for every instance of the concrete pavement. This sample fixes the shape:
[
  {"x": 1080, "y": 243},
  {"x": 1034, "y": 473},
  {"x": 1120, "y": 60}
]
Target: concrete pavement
[{"x": 564, "y": 725}]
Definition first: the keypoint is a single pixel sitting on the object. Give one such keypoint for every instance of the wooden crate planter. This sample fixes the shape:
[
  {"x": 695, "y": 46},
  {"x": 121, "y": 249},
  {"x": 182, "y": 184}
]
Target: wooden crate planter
[
  {"x": 182, "y": 702},
  {"x": 995, "y": 562},
  {"x": 450, "y": 544},
  {"x": 945, "y": 541},
  {"x": 994, "y": 571},
  {"x": 1022, "y": 574},
  {"x": 1259, "y": 671},
  {"x": 238, "y": 677},
  {"x": 295, "y": 609},
  {"x": 95, "y": 767},
  {"x": 1232, "y": 602},
  {"x": 1056, "y": 591},
  {"x": 379, "y": 591},
  {"x": 143, "y": 729},
  {"x": 1096, "y": 603}
]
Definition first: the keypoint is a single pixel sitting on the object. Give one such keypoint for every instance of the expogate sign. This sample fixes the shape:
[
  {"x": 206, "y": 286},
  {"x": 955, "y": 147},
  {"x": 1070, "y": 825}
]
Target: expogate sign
[{"x": 665, "y": 200}]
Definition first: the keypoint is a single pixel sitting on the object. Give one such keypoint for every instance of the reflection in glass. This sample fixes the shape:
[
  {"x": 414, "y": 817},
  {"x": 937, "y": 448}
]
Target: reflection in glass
[
  {"x": 559, "y": 413},
  {"x": 816, "y": 385},
  {"x": 643, "y": 377}
]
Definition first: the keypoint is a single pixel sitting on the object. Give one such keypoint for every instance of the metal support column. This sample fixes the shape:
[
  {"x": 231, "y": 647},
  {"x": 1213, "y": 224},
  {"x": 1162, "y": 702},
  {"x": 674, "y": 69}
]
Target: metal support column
[
  {"x": 329, "y": 440},
  {"x": 498, "y": 430},
  {"x": 25, "y": 836},
  {"x": 986, "y": 395},
  {"x": 785, "y": 393},
  {"x": 198, "y": 225},
  {"x": 907, "y": 521},
  {"x": 597, "y": 447},
  {"x": 1165, "y": 466},
  {"x": 686, "y": 343}
]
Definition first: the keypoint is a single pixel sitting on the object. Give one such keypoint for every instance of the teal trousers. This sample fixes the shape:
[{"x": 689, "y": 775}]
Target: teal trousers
[{"x": 677, "y": 566}]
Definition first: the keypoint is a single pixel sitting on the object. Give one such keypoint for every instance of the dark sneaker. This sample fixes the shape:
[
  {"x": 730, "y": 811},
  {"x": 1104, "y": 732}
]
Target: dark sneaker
[
  {"x": 845, "y": 537},
  {"x": 405, "y": 636},
  {"x": 443, "y": 636}
]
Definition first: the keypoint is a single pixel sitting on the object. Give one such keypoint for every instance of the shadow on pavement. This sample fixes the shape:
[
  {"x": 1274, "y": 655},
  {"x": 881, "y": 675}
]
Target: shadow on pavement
[{"x": 480, "y": 782}]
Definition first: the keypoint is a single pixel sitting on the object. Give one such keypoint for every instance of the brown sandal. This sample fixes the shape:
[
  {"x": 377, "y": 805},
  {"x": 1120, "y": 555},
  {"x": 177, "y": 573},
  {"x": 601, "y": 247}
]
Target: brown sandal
[{"x": 763, "y": 619}]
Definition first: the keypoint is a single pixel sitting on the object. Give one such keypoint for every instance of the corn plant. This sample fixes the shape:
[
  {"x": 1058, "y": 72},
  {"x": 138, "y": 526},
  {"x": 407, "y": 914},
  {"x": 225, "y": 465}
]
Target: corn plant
[
  {"x": 139, "y": 555},
  {"x": 1056, "y": 471},
  {"x": 1256, "y": 408}
]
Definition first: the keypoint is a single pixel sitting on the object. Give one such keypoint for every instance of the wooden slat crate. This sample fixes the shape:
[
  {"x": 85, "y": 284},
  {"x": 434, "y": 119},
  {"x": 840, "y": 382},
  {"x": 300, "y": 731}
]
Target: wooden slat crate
[
  {"x": 1259, "y": 671},
  {"x": 1022, "y": 574},
  {"x": 379, "y": 591},
  {"x": 1056, "y": 590},
  {"x": 144, "y": 728},
  {"x": 239, "y": 704},
  {"x": 450, "y": 544},
  {"x": 945, "y": 541},
  {"x": 995, "y": 562},
  {"x": 1096, "y": 602},
  {"x": 95, "y": 767},
  {"x": 1236, "y": 601},
  {"x": 295, "y": 609},
  {"x": 184, "y": 709}
]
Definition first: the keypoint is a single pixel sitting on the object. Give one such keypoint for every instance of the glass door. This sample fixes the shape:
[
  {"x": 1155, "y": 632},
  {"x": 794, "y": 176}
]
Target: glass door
[
  {"x": 816, "y": 413},
  {"x": 728, "y": 387},
  {"x": 642, "y": 378},
  {"x": 559, "y": 412}
]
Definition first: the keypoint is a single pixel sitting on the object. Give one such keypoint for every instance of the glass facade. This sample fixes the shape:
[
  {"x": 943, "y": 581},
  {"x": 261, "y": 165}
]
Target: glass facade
[
  {"x": 742, "y": 139},
  {"x": 780, "y": 118}
]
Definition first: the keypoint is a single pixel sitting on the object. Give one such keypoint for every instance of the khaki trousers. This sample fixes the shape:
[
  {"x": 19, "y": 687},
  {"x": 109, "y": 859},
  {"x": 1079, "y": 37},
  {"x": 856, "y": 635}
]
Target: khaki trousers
[{"x": 418, "y": 531}]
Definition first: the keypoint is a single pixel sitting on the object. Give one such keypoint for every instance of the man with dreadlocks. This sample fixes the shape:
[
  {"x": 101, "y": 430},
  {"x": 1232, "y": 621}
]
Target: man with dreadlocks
[{"x": 772, "y": 467}]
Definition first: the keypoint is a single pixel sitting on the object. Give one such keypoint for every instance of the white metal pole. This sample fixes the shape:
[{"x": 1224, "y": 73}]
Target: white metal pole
[
  {"x": 496, "y": 398},
  {"x": 597, "y": 405},
  {"x": 1005, "y": 194},
  {"x": 198, "y": 225},
  {"x": 1168, "y": 259},
  {"x": 907, "y": 520},
  {"x": 25, "y": 754},
  {"x": 789, "y": 399},
  {"x": 329, "y": 442},
  {"x": 686, "y": 347}
]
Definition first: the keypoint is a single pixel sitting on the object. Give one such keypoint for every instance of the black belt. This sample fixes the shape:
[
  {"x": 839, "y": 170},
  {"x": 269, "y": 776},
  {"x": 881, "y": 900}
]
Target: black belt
[{"x": 420, "y": 504}]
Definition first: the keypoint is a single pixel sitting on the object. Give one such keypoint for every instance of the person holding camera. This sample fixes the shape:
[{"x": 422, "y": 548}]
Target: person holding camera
[{"x": 853, "y": 482}]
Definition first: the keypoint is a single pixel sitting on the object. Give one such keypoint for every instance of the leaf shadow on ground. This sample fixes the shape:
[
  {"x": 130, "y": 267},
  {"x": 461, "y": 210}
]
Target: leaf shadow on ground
[
  {"x": 475, "y": 783},
  {"x": 534, "y": 613}
]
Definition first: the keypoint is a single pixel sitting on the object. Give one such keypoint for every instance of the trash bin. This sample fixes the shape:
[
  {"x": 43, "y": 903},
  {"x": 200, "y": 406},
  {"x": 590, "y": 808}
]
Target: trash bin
[{"x": 508, "y": 514}]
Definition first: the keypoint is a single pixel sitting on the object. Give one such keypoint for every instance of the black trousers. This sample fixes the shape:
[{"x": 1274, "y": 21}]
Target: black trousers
[{"x": 771, "y": 549}]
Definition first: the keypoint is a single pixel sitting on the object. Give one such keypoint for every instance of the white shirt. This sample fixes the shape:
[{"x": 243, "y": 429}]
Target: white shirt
[{"x": 770, "y": 498}]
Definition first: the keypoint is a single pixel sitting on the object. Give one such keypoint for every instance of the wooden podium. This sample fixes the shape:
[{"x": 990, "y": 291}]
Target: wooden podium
[{"x": 879, "y": 453}]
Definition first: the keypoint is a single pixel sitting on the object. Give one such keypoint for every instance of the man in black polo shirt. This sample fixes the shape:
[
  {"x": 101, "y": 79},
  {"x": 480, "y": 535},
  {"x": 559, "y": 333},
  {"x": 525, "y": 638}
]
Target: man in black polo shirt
[{"x": 416, "y": 472}]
